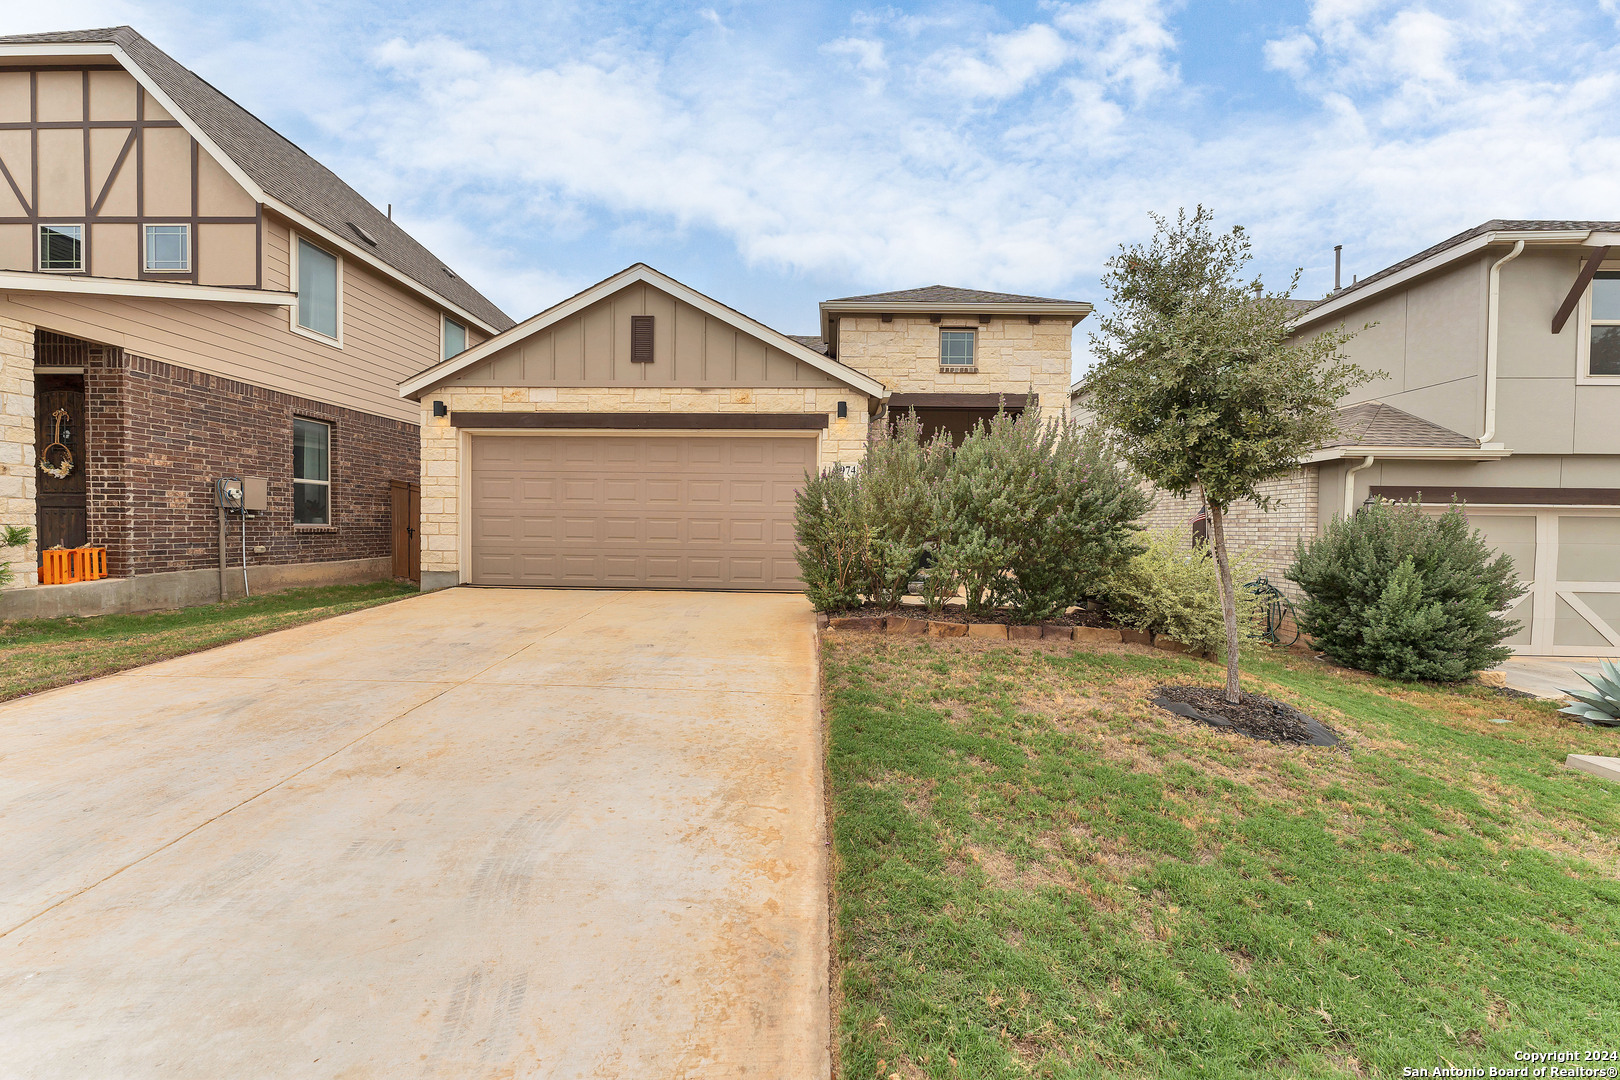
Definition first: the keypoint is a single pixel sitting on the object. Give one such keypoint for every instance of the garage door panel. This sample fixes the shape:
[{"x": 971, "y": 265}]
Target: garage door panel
[{"x": 666, "y": 511}]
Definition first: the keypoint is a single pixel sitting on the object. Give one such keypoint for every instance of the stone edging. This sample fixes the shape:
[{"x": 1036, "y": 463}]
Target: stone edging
[{"x": 1093, "y": 635}]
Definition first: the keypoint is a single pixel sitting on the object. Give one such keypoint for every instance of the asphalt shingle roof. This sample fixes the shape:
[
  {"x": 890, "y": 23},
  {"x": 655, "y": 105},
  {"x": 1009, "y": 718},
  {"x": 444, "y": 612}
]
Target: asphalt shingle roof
[
  {"x": 1372, "y": 423},
  {"x": 946, "y": 294},
  {"x": 1494, "y": 225},
  {"x": 283, "y": 170},
  {"x": 812, "y": 342}
]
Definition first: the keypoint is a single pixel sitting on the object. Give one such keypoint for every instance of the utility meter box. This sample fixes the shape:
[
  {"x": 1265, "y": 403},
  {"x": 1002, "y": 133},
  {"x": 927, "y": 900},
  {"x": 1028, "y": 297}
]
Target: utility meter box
[
  {"x": 228, "y": 493},
  {"x": 255, "y": 494}
]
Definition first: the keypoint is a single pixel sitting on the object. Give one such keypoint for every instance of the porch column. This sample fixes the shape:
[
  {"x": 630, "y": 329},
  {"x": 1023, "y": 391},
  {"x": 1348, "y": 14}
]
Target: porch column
[{"x": 17, "y": 447}]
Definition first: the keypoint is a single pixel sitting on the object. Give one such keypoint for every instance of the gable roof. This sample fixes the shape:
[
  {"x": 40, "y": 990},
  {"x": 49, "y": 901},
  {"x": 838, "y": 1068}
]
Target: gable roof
[
  {"x": 273, "y": 169},
  {"x": 640, "y": 272},
  {"x": 1465, "y": 243},
  {"x": 945, "y": 299},
  {"x": 1375, "y": 424}
]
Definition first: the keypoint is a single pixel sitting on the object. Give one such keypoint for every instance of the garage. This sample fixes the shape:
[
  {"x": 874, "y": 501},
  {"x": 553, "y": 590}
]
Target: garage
[
  {"x": 638, "y": 435},
  {"x": 1571, "y": 560},
  {"x": 637, "y": 511}
]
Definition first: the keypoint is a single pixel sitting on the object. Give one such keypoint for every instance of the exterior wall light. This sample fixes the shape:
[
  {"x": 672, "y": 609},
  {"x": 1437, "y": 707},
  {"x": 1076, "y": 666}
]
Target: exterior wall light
[
  {"x": 843, "y": 410},
  {"x": 440, "y": 409}
]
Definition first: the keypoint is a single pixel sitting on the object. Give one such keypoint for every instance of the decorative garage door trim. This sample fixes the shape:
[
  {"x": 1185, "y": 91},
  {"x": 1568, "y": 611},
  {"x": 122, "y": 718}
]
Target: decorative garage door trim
[
  {"x": 642, "y": 421},
  {"x": 711, "y": 510}
]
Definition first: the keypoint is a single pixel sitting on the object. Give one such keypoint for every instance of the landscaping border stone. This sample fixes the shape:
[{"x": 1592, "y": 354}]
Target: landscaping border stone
[{"x": 1090, "y": 635}]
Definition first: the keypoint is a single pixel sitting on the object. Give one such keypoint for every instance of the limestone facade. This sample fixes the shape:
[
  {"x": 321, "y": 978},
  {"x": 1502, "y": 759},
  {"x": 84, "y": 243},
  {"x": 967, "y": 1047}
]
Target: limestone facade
[
  {"x": 17, "y": 446},
  {"x": 842, "y": 442},
  {"x": 1014, "y": 356},
  {"x": 1269, "y": 537}
]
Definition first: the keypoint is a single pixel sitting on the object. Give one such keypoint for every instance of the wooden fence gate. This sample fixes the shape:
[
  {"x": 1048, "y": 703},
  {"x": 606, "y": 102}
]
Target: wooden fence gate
[{"x": 407, "y": 500}]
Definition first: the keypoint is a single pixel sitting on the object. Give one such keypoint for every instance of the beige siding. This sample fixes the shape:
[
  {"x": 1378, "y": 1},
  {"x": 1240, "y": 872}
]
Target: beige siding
[
  {"x": 16, "y": 247},
  {"x": 115, "y": 250},
  {"x": 388, "y": 335},
  {"x": 15, "y": 98},
  {"x": 1520, "y": 470},
  {"x": 166, "y": 186},
  {"x": 1014, "y": 356},
  {"x": 112, "y": 95},
  {"x": 61, "y": 173},
  {"x": 61, "y": 96},
  {"x": 227, "y": 254},
  {"x": 592, "y": 348}
]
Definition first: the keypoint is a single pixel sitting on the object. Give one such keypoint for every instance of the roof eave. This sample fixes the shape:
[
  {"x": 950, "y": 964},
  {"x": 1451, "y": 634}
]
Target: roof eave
[
  {"x": 1074, "y": 310},
  {"x": 1353, "y": 296},
  {"x": 1408, "y": 453},
  {"x": 30, "y": 281}
]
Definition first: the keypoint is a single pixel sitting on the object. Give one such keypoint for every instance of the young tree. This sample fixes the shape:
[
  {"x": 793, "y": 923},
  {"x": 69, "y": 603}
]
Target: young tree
[{"x": 1200, "y": 383}]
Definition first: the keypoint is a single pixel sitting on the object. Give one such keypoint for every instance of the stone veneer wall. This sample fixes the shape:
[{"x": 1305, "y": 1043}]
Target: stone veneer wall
[
  {"x": 1013, "y": 354},
  {"x": 160, "y": 435},
  {"x": 17, "y": 446},
  {"x": 843, "y": 442},
  {"x": 1271, "y": 537}
]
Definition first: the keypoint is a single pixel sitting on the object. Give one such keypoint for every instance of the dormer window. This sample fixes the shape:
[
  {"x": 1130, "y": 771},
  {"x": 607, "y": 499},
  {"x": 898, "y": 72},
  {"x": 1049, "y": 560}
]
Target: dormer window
[
  {"x": 61, "y": 247},
  {"x": 956, "y": 349}
]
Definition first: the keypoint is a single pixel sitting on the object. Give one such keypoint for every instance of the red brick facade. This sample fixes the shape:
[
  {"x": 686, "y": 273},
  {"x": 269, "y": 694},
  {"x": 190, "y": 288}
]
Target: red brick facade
[{"x": 160, "y": 435}]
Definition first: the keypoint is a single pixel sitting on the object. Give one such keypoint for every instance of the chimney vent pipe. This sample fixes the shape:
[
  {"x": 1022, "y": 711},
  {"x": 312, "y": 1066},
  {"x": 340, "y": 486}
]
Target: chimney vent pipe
[{"x": 1338, "y": 261}]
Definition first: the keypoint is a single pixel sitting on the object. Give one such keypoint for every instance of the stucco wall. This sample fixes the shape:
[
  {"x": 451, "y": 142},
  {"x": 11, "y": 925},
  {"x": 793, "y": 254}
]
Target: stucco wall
[
  {"x": 1014, "y": 356},
  {"x": 17, "y": 444},
  {"x": 1520, "y": 470},
  {"x": 844, "y": 441}
]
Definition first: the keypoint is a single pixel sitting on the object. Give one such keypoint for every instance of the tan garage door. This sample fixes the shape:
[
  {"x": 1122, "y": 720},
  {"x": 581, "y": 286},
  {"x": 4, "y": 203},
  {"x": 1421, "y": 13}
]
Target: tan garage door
[
  {"x": 1570, "y": 559},
  {"x": 637, "y": 511}
]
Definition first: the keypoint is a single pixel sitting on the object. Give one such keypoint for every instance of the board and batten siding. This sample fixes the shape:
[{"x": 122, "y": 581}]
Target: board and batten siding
[
  {"x": 691, "y": 348},
  {"x": 389, "y": 334}
]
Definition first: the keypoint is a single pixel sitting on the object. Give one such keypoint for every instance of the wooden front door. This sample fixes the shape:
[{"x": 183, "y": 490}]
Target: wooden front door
[
  {"x": 60, "y": 447},
  {"x": 407, "y": 501}
]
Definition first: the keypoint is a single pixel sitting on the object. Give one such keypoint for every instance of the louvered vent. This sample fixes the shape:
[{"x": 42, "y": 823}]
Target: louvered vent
[{"x": 641, "y": 339}]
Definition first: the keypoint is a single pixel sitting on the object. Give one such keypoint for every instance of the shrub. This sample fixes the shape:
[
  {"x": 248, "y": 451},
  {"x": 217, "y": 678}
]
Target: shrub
[
  {"x": 897, "y": 485},
  {"x": 1406, "y": 595},
  {"x": 833, "y": 537},
  {"x": 1034, "y": 515},
  {"x": 1171, "y": 588},
  {"x": 11, "y": 536}
]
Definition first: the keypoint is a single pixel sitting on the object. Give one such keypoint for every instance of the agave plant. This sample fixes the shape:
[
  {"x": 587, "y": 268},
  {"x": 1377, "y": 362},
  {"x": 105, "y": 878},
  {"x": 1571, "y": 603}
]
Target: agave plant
[{"x": 1603, "y": 707}]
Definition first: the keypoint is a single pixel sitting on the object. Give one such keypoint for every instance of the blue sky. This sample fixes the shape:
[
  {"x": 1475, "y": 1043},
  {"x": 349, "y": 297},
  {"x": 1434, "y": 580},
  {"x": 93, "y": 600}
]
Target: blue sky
[{"x": 776, "y": 154}]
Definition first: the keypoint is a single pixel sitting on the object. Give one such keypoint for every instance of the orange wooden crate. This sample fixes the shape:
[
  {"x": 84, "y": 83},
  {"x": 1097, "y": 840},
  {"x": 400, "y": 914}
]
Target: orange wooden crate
[{"x": 64, "y": 566}]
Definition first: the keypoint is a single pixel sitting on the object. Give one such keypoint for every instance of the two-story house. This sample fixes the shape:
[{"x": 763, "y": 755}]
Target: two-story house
[
  {"x": 184, "y": 296},
  {"x": 1501, "y": 351},
  {"x": 642, "y": 434}
]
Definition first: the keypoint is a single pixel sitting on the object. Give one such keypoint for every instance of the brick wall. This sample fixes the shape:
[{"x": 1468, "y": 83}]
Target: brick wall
[
  {"x": 17, "y": 445},
  {"x": 1014, "y": 356},
  {"x": 1270, "y": 537},
  {"x": 843, "y": 440},
  {"x": 160, "y": 435}
]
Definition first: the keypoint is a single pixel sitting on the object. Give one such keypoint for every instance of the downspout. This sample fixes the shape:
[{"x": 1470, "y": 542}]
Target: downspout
[
  {"x": 1493, "y": 317},
  {"x": 1350, "y": 486}
]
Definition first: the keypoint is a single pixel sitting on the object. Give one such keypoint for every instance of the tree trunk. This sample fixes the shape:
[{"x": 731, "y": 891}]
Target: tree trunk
[{"x": 1217, "y": 541}]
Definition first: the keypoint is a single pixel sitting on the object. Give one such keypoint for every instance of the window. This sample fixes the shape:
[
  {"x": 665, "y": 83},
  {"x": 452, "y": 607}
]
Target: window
[
  {"x": 312, "y": 485},
  {"x": 168, "y": 249},
  {"x": 956, "y": 348},
  {"x": 317, "y": 290},
  {"x": 61, "y": 247},
  {"x": 1603, "y": 358},
  {"x": 455, "y": 338}
]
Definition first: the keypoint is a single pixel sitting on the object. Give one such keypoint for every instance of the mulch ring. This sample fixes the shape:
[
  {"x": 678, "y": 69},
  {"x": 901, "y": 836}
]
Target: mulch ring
[
  {"x": 956, "y": 613},
  {"x": 1255, "y": 716}
]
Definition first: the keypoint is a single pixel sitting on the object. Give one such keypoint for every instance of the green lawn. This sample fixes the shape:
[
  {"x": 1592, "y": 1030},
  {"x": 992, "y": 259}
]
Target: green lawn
[
  {"x": 1040, "y": 874},
  {"x": 37, "y": 654}
]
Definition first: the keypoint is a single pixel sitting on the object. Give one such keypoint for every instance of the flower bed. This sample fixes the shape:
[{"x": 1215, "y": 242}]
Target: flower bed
[{"x": 922, "y": 624}]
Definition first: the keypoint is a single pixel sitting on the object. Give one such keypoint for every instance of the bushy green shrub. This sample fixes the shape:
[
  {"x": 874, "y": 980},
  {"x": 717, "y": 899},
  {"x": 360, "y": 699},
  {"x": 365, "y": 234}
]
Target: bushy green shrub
[
  {"x": 897, "y": 482},
  {"x": 1034, "y": 515},
  {"x": 1171, "y": 588},
  {"x": 11, "y": 536},
  {"x": 1406, "y": 595},
  {"x": 833, "y": 538}
]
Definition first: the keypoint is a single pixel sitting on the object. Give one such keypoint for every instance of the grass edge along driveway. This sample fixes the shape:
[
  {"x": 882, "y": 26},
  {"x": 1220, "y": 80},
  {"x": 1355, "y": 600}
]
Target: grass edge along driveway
[
  {"x": 1039, "y": 874},
  {"x": 40, "y": 654}
]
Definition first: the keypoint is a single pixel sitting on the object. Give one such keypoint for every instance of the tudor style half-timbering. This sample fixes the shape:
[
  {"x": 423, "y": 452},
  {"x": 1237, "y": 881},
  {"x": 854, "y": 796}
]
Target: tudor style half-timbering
[{"x": 186, "y": 295}]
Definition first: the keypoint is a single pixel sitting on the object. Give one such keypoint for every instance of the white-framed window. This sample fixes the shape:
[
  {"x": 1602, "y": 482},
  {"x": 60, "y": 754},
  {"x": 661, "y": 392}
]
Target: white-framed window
[
  {"x": 167, "y": 249},
  {"x": 312, "y": 472},
  {"x": 454, "y": 338},
  {"x": 61, "y": 247},
  {"x": 1599, "y": 346},
  {"x": 317, "y": 276},
  {"x": 956, "y": 348}
]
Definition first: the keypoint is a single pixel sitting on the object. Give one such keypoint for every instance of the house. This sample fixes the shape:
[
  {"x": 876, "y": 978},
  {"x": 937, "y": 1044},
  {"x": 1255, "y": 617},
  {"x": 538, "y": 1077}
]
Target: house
[
  {"x": 1501, "y": 351},
  {"x": 184, "y": 296},
  {"x": 642, "y": 434}
]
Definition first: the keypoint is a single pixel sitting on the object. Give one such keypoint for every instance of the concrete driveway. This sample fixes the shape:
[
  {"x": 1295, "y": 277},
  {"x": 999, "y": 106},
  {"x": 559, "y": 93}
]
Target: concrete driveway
[{"x": 479, "y": 833}]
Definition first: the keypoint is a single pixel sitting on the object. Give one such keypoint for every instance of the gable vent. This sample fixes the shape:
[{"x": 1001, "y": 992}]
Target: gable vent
[{"x": 641, "y": 339}]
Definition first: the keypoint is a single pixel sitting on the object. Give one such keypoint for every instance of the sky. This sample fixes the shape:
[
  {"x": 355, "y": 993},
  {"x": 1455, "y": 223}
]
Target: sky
[{"x": 776, "y": 154}]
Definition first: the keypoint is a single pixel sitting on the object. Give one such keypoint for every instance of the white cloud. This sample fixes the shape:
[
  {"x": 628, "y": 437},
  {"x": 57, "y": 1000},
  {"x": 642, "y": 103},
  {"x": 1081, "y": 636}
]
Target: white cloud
[{"x": 1002, "y": 66}]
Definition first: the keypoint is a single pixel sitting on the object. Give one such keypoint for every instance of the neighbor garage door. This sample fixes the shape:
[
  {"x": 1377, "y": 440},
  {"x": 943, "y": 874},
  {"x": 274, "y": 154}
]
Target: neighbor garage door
[
  {"x": 647, "y": 511},
  {"x": 1571, "y": 561}
]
